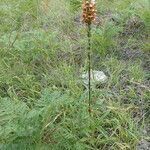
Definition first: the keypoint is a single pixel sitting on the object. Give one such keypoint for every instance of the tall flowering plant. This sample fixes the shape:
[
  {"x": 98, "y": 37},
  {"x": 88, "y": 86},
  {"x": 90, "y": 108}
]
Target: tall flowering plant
[
  {"x": 88, "y": 11},
  {"x": 89, "y": 17}
]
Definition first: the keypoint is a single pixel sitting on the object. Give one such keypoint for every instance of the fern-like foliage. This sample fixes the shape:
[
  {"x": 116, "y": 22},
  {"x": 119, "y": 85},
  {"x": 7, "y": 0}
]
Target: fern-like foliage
[{"x": 62, "y": 122}]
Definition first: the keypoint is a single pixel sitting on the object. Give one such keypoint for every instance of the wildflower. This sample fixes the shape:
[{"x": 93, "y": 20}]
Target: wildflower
[
  {"x": 88, "y": 11},
  {"x": 88, "y": 17}
]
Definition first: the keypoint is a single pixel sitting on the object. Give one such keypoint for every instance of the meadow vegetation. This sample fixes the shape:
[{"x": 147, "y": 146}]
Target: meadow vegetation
[{"x": 43, "y": 103}]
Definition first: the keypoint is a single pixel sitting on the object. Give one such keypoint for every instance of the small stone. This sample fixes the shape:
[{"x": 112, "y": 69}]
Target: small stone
[{"x": 97, "y": 77}]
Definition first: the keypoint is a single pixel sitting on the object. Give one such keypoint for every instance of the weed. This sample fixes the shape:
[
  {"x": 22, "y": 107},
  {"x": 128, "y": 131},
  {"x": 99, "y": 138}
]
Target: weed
[{"x": 43, "y": 104}]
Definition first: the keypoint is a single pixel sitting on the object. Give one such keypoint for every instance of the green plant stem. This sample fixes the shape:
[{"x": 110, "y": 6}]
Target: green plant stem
[{"x": 89, "y": 65}]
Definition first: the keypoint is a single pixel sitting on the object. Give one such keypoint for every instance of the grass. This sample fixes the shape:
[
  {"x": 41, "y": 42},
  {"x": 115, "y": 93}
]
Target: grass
[{"x": 43, "y": 104}]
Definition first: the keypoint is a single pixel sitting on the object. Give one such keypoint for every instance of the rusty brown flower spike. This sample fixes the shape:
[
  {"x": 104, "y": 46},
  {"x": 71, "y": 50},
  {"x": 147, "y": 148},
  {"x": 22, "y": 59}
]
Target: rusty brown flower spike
[
  {"x": 89, "y": 17},
  {"x": 88, "y": 11}
]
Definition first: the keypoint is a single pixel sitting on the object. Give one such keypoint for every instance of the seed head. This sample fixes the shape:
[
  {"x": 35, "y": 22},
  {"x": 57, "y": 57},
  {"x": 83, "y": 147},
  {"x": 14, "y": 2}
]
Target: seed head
[{"x": 88, "y": 11}]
